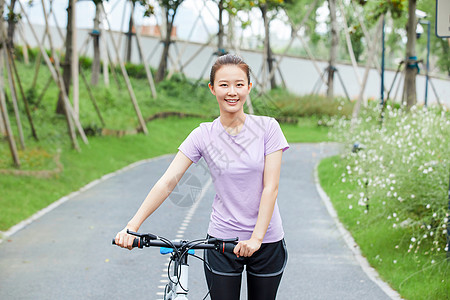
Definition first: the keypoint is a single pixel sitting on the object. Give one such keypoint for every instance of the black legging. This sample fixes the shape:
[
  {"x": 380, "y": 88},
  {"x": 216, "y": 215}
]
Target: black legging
[{"x": 229, "y": 287}]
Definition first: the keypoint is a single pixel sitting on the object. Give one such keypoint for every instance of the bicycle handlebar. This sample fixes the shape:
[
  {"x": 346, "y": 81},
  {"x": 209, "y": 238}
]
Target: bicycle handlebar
[{"x": 150, "y": 240}]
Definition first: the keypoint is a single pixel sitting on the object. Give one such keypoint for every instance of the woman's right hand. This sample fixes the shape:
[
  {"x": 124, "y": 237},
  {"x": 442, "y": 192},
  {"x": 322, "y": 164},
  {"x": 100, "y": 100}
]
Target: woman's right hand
[{"x": 125, "y": 240}]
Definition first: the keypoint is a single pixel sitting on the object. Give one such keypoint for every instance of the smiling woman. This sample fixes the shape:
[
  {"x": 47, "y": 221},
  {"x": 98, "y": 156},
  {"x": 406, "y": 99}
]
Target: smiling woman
[
  {"x": 230, "y": 83},
  {"x": 243, "y": 153}
]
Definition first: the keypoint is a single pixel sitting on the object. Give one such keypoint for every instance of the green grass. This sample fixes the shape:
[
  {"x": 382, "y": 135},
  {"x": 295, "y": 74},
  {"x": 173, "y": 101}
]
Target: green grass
[
  {"x": 392, "y": 195},
  {"x": 413, "y": 276},
  {"x": 306, "y": 130},
  {"x": 25, "y": 195}
]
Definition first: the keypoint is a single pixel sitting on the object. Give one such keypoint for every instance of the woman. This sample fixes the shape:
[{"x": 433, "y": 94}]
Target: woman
[{"x": 243, "y": 153}]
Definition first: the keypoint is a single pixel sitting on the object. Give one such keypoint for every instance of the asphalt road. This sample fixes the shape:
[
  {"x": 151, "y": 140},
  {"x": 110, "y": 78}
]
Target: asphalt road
[{"x": 67, "y": 253}]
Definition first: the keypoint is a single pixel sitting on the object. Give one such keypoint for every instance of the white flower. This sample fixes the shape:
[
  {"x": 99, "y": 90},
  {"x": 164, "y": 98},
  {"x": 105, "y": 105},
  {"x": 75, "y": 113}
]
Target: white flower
[
  {"x": 394, "y": 215},
  {"x": 428, "y": 205},
  {"x": 413, "y": 196},
  {"x": 413, "y": 239},
  {"x": 349, "y": 196},
  {"x": 395, "y": 261},
  {"x": 350, "y": 206}
]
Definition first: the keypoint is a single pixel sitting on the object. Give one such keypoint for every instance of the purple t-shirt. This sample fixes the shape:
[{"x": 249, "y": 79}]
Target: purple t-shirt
[{"x": 236, "y": 164}]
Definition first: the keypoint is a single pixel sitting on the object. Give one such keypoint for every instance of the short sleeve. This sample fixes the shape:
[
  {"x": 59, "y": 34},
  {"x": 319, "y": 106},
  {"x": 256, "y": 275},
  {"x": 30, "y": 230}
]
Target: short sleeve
[
  {"x": 274, "y": 138},
  {"x": 191, "y": 147}
]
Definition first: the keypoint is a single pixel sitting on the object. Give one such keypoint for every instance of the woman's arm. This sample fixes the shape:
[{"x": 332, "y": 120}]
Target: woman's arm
[
  {"x": 272, "y": 168},
  {"x": 160, "y": 191}
]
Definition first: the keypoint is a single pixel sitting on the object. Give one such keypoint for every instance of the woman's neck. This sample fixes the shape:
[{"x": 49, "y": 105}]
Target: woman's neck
[{"x": 233, "y": 123}]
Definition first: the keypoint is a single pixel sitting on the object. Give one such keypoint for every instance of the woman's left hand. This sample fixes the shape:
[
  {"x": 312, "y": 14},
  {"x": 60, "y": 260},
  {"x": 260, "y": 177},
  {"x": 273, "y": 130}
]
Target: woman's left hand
[{"x": 247, "y": 248}]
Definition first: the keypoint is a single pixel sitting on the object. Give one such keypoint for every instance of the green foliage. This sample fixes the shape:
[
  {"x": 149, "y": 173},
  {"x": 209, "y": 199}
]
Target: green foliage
[
  {"x": 414, "y": 276},
  {"x": 401, "y": 173},
  {"x": 285, "y": 104}
]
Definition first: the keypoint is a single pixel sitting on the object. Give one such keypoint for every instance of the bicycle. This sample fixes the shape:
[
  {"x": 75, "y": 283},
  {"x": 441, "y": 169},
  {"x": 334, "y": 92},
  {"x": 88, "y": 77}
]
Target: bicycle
[{"x": 177, "y": 288}]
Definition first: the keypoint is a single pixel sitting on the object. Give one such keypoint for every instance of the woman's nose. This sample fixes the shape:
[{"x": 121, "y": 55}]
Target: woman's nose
[{"x": 232, "y": 90}]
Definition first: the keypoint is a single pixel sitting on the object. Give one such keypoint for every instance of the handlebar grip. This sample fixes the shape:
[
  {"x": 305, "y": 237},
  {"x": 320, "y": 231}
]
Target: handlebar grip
[
  {"x": 136, "y": 243},
  {"x": 226, "y": 247}
]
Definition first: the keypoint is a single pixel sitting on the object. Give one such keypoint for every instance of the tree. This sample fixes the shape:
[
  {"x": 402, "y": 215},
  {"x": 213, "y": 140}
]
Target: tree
[
  {"x": 397, "y": 10},
  {"x": 12, "y": 18},
  {"x": 96, "y": 41},
  {"x": 67, "y": 66},
  {"x": 170, "y": 8},
  {"x": 411, "y": 59},
  {"x": 266, "y": 6},
  {"x": 333, "y": 48}
]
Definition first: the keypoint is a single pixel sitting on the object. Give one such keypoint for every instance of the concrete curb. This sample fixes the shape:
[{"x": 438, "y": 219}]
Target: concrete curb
[
  {"x": 42, "y": 212},
  {"x": 362, "y": 261}
]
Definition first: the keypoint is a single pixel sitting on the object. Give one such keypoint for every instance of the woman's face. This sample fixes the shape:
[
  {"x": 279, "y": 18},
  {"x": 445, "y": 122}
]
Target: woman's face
[{"x": 231, "y": 88}]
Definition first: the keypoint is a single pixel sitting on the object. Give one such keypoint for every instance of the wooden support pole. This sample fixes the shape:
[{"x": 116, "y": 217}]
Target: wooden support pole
[
  {"x": 127, "y": 81},
  {"x": 44, "y": 90},
  {"x": 25, "y": 45},
  {"x": 74, "y": 62},
  {"x": 4, "y": 110},
  {"x": 24, "y": 98},
  {"x": 357, "y": 106},
  {"x": 58, "y": 79},
  {"x": 104, "y": 53},
  {"x": 2, "y": 126},
  {"x": 12, "y": 89},
  {"x": 349, "y": 44},
  {"x": 91, "y": 96},
  {"x": 294, "y": 34},
  {"x": 147, "y": 69}
]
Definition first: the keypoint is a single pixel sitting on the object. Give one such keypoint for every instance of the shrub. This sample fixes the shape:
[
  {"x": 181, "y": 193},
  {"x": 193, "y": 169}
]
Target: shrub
[
  {"x": 400, "y": 172},
  {"x": 285, "y": 104}
]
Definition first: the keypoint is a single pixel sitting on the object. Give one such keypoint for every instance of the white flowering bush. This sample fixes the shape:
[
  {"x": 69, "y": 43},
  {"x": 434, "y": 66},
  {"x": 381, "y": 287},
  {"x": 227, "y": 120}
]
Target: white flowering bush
[{"x": 399, "y": 172}]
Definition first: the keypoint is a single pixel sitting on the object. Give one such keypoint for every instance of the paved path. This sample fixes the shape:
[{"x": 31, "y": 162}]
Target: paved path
[{"x": 67, "y": 253}]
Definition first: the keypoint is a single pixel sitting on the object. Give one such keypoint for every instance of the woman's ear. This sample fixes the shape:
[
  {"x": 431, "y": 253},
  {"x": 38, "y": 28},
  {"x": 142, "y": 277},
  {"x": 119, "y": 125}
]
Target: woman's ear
[{"x": 211, "y": 88}]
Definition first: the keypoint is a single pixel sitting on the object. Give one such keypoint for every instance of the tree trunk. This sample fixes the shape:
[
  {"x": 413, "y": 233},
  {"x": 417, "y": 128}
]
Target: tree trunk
[
  {"x": 67, "y": 67},
  {"x": 267, "y": 47},
  {"x": 96, "y": 42},
  {"x": 220, "y": 34},
  {"x": 230, "y": 34},
  {"x": 411, "y": 65},
  {"x": 333, "y": 48},
  {"x": 160, "y": 74},
  {"x": 130, "y": 33},
  {"x": 3, "y": 109},
  {"x": 11, "y": 26}
]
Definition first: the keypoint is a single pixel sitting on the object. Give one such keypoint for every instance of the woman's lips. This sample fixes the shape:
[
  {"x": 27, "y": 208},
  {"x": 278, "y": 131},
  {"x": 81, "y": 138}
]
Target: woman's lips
[{"x": 232, "y": 101}]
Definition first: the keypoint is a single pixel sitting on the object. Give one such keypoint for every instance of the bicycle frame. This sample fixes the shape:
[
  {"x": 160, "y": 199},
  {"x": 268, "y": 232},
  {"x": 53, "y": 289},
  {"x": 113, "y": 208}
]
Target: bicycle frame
[{"x": 177, "y": 288}]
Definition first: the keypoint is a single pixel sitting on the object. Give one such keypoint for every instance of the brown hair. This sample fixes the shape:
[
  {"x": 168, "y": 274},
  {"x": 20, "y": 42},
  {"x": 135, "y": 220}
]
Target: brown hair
[{"x": 228, "y": 59}]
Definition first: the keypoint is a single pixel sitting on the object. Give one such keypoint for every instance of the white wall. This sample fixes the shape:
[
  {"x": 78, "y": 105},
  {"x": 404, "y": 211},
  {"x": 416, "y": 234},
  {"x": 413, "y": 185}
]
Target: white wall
[{"x": 299, "y": 74}]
